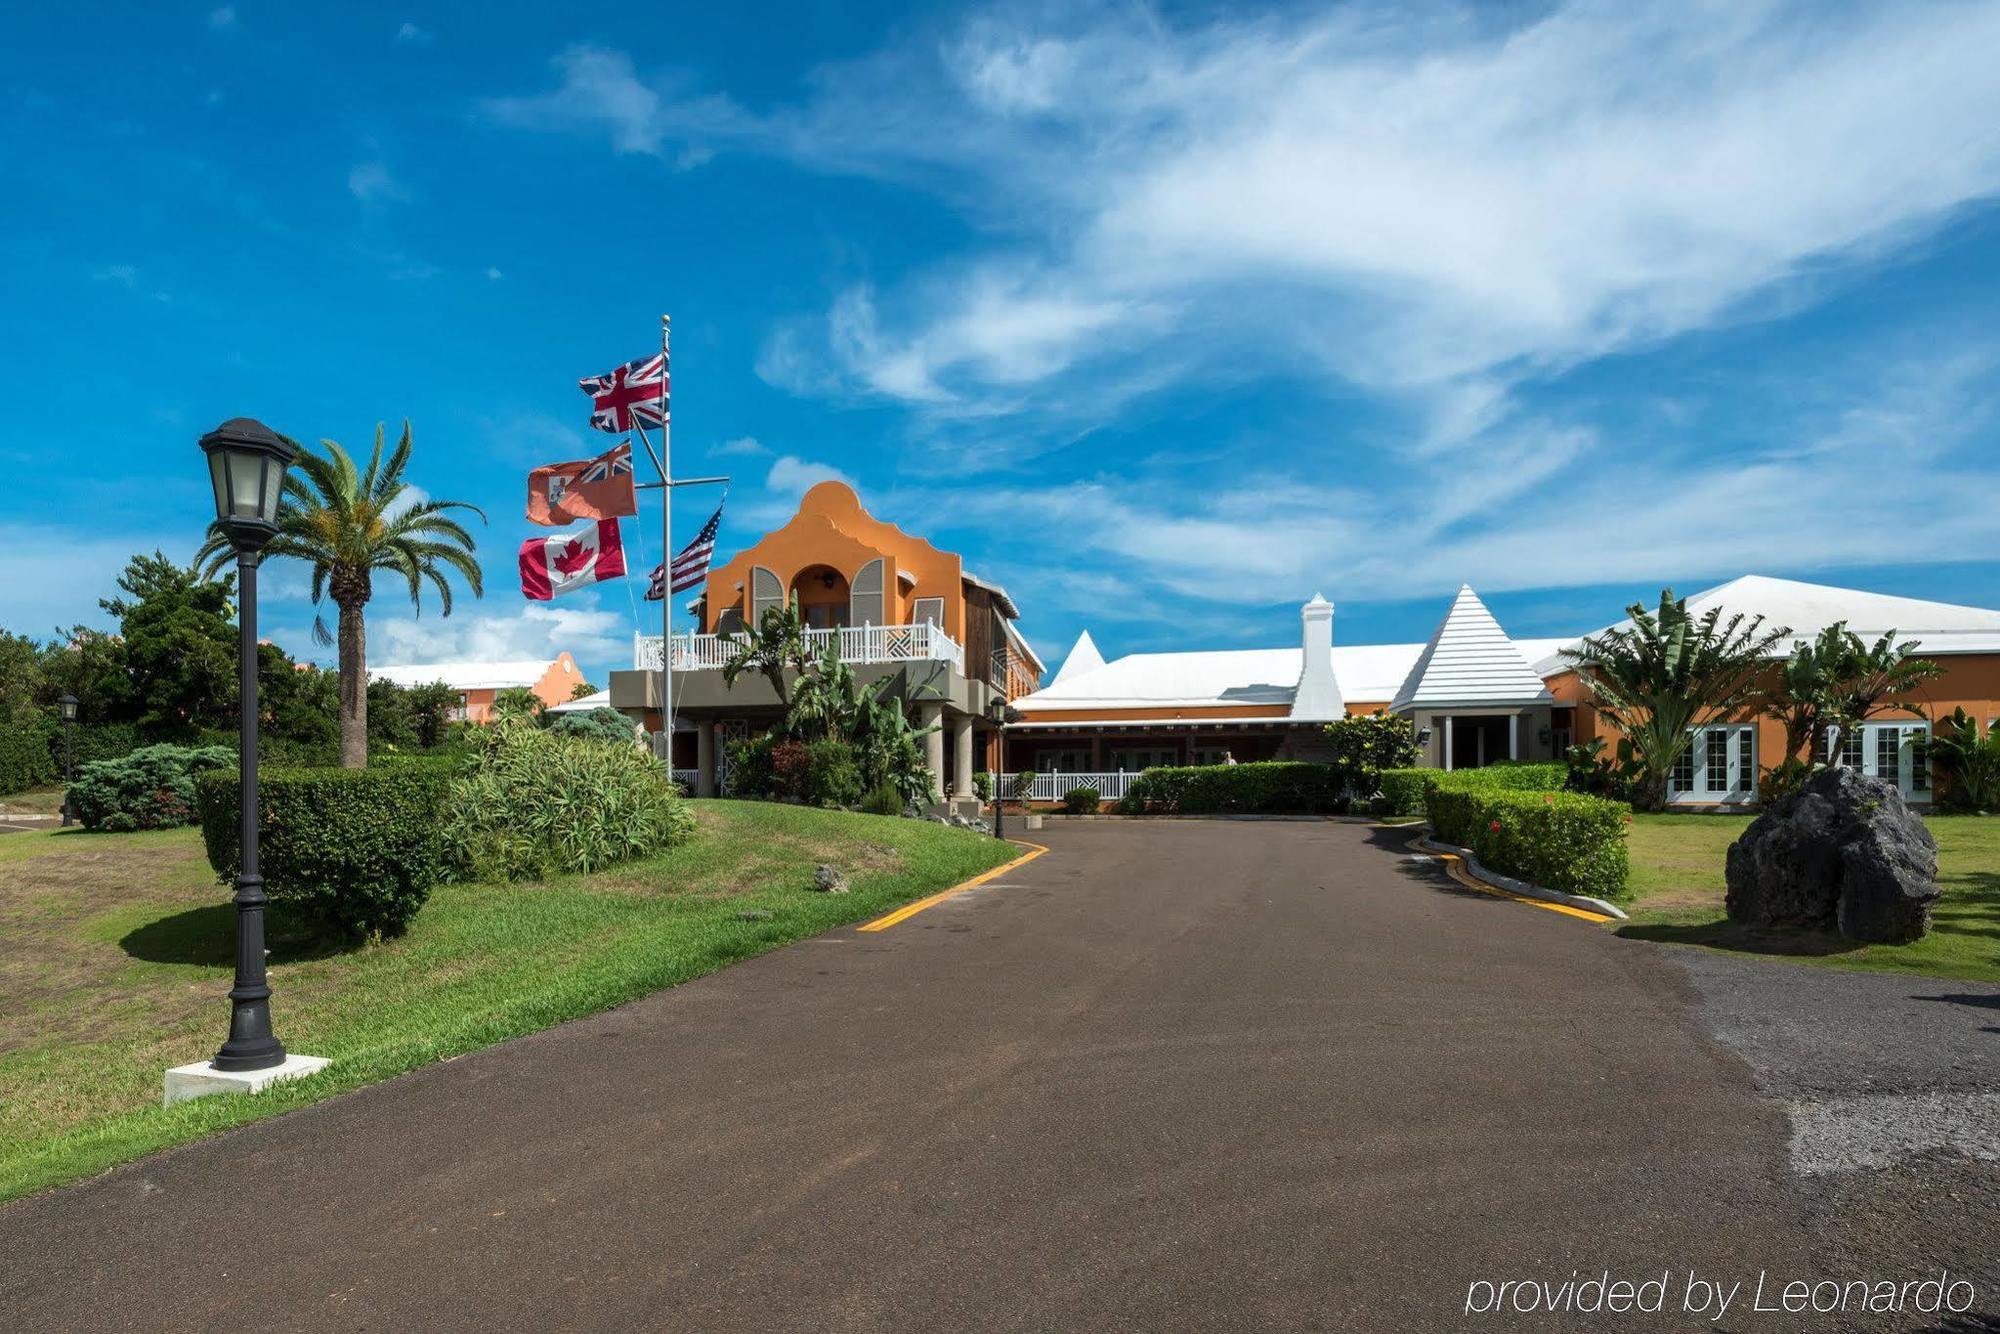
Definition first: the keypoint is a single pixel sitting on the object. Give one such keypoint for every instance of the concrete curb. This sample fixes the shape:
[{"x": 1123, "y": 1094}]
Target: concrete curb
[{"x": 1524, "y": 888}]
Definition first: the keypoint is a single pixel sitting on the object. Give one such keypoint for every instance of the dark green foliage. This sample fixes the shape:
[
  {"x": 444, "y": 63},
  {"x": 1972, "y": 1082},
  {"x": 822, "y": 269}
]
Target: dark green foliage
[
  {"x": 1561, "y": 840},
  {"x": 750, "y": 766},
  {"x": 96, "y": 741},
  {"x": 597, "y": 724},
  {"x": 91, "y": 666},
  {"x": 1021, "y": 784},
  {"x": 883, "y": 800},
  {"x": 982, "y": 785},
  {"x": 832, "y": 776},
  {"x": 1085, "y": 800},
  {"x": 356, "y": 850},
  {"x": 1590, "y": 771},
  {"x": 1403, "y": 790},
  {"x": 431, "y": 707},
  {"x": 392, "y": 723},
  {"x": 516, "y": 702},
  {"x": 180, "y": 646},
  {"x": 532, "y": 803},
  {"x": 1265, "y": 788},
  {"x": 152, "y": 788},
  {"x": 25, "y": 757},
  {"x": 1365, "y": 744},
  {"x": 20, "y": 677},
  {"x": 791, "y": 770},
  {"x": 1969, "y": 762}
]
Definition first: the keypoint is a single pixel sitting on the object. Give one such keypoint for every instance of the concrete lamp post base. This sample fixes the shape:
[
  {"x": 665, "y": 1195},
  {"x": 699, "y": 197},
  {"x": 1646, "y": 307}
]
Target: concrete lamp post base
[{"x": 202, "y": 1078}]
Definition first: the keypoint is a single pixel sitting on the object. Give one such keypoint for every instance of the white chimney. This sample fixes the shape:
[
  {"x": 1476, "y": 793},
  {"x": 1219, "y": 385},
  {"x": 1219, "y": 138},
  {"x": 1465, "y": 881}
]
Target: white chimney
[{"x": 1318, "y": 696}]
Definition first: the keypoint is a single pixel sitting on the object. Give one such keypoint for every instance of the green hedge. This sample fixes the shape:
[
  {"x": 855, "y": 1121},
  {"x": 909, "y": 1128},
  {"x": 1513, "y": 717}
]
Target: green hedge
[
  {"x": 1082, "y": 800},
  {"x": 1403, "y": 790},
  {"x": 152, "y": 788},
  {"x": 25, "y": 758},
  {"x": 1560, "y": 840},
  {"x": 356, "y": 850},
  {"x": 1264, "y": 788}
]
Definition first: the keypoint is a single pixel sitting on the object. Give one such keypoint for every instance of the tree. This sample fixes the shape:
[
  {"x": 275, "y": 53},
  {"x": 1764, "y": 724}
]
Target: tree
[
  {"x": 582, "y": 690},
  {"x": 517, "y": 704},
  {"x": 1971, "y": 762},
  {"x": 431, "y": 708},
  {"x": 180, "y": 646},
  {"x": 1838, "y": 680},
  {"x": 826, "y": 700},
  {"x": 301, "y": 707},
  {"x": 93, "y": 667},
  {"x": 348, "y": 523},
  {"x": 1364, "y": 744},
  {"x": 20, "y": 677},
  {"x": 1668, "y": 672},
  {"x": 776, "y": 646}
]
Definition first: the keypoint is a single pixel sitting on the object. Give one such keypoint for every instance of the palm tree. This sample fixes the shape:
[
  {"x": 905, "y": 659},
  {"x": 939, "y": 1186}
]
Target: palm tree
[
  {"x": 1840, "y": 680},
  {"x": 347, "y": 524},
  {"x": 1669, "y": 672},
  {"x": 1877, "y": 678},
  {"x": 777, "y": 645}
]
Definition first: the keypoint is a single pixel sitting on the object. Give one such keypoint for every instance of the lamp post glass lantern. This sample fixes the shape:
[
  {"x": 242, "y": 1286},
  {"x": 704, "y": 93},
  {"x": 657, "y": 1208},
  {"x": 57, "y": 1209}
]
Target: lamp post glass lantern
[
  {"x": 246, "y": 464},
  {"x": 67, "y": 707}
]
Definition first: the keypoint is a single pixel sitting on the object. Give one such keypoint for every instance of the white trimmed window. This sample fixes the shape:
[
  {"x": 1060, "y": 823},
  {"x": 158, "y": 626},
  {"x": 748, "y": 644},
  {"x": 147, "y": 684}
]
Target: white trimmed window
[
  {"x": 1719, "y": 765},
  {"x": 1898, "y": 752}
]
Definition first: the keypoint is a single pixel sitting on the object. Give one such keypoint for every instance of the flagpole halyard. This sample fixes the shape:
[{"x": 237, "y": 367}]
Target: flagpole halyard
[{"x": 666, "y": 462}]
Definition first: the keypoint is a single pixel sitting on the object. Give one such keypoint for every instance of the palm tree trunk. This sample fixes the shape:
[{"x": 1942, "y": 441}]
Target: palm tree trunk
[{"x": 353, "y": 687}]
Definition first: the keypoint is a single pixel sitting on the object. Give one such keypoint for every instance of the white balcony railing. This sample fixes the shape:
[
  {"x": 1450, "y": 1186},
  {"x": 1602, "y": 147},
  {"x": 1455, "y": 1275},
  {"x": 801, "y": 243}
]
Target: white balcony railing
[
  {"x": 1054, "y": 787},
  {"x": 858, "y": 644}
]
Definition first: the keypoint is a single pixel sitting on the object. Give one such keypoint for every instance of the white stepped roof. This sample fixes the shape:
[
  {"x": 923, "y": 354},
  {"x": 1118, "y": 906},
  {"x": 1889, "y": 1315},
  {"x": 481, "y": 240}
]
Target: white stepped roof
[
  {"x": 1083, "y": 657},
  {"x": 600, "y": 700},
  {"x": 1806, "y": 609},
  {"x": 1469, "y": 661},
  {"x": 464, "y": 675}
]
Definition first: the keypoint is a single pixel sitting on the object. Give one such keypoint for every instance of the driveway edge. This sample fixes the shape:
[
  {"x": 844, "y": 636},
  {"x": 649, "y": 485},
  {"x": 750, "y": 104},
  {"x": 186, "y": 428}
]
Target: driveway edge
[{"x": 1523, "y": 888}]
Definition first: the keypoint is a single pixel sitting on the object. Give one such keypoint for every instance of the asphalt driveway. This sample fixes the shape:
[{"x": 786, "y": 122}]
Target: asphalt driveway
[{"x": 1171, "y": 1075}]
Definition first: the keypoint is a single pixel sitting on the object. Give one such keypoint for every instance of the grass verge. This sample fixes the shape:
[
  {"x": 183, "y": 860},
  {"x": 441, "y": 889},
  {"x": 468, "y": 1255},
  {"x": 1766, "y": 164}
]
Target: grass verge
[
  {"x": 115, "y": 960},
  {"x": 1678, "y": 887}
]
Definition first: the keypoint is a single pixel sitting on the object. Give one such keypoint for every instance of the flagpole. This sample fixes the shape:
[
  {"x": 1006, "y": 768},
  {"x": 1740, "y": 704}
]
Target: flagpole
[{"x": 667, "y": 536}]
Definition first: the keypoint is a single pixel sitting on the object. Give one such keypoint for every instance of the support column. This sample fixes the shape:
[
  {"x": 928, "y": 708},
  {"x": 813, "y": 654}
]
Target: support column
[
  {"x": 961, "y": 779},
  {"x": 930, "y": 715},
  {"x": 704, "y": 750},
  {"x": 1445, "y": 723},
  {"x": 1513, "y": 736}
]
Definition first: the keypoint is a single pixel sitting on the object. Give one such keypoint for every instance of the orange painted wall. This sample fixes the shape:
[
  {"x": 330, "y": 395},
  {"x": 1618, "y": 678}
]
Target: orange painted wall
[
  {"x": 1971, "y": 681},
  {"x": 831, "y": 528},
  {"x": 556, "y": 686}
]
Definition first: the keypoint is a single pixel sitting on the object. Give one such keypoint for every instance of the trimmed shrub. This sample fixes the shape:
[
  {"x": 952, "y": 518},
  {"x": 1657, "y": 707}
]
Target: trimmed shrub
[
  {"x": 883, "y": 800},
  {"x": 1561, "y": 840},
  {"x": 152, "y": 788},
  {"x": 982, "y": 785},
  {"x": 596, "y": 725},
  {"x": 1404, "y": 789},
  {"x": 356, "y": 851},
  {"x": 1265, "y": 788},
  {"x": 833, "y": 778},
  {"x": 97, "y": 741},
  {"x": 533, "y": 803},
  {"x": 1084, "y": 800},
  {"x": 25, "y": 757}
]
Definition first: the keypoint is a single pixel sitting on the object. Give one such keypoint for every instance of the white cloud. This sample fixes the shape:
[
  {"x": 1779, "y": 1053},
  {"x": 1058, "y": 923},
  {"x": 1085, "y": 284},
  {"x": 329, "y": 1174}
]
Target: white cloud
[
  {"x": 494, "y": 275},
  {"x": 746, "y": 446},
  {"x": 222, "y": 18},
  {"x": 373, "y": 183},
  {"x": 1437, "y": 202},
  {"x": 589, "y": 634},
  {"x": 125, "y": 275},
  {"x": 411, "y": 35},
  {"x": 791, "y": 476}
]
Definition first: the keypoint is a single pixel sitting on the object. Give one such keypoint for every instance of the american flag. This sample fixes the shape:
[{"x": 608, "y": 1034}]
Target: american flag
[
  {"x": 691, "y": 565},
  {"x": 634, "y": 394}
]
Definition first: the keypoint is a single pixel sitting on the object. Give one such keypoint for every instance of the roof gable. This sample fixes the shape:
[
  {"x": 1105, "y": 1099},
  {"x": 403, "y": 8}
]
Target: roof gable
[
  {"x": 1469, "y": 661},
  {"x": 1083, "y": 657}
]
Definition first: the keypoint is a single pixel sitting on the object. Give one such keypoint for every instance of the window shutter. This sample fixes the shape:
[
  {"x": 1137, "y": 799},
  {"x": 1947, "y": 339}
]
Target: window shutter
[
  {"x": 864, "y": 598},
  {"x": 766, "y": 593}
]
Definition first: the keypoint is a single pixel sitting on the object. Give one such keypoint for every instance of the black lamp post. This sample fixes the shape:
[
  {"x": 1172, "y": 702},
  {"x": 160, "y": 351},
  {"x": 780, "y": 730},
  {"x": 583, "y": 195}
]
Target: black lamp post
[
  {"x": 997, "y": 710},
  {"x": 67, "y": 704},
  {"x": 247, "y": 462}
]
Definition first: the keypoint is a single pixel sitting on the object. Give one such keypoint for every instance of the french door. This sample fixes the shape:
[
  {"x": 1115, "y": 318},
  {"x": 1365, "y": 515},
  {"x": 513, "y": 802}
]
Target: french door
[
  {"x": 1898, "y": 752},
  {"x": 1719, "y": 765}
]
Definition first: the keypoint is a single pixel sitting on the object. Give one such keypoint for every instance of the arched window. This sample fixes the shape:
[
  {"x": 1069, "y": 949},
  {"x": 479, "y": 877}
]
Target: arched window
[
  {"x": 766, "y": 594},
  {"x": 864, "y": 597}
]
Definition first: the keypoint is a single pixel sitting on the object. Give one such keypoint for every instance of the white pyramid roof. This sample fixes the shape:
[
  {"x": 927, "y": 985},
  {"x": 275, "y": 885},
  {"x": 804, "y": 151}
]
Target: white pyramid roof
[
  {"x": 1469, "y": 662},
  {"x": 1083, "y": 657}
]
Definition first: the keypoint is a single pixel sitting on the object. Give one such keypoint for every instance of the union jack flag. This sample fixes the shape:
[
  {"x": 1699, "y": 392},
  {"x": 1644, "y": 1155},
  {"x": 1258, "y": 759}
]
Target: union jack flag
[
  {"x": 618, "y": 463},
  {"x": 691, "y": 565},
  {"x": 634, "y": 394}
]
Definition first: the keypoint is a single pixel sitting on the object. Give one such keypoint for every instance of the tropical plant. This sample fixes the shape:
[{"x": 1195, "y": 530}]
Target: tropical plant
[
  {"x": 582, "y": 690},
  {"x": 826, "y": 701},
  {"x": 1667, "y": 672},
  {"x": 777, "y": 645},
  {"x": 1836, "y": 681},
  {"x": 518, "y": 704},
  {"x": 1969, "y": 761},
  {"x": 597, "y": 724},
  {"x": 1364, "y": 744},
  {"x": 887, "y": 748},
  {"x": 346, "y": 523}
]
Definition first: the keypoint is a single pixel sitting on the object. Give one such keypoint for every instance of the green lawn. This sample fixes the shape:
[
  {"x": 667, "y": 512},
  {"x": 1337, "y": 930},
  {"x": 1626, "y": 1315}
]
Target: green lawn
[
  {"x": 1677, "y": 884},
  {"x": 115, "y": 957}
]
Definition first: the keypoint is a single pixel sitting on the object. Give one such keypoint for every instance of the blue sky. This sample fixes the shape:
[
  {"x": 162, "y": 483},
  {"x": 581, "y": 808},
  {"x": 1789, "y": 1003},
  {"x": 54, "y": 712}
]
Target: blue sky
[{"x": 1165, "y": 317}]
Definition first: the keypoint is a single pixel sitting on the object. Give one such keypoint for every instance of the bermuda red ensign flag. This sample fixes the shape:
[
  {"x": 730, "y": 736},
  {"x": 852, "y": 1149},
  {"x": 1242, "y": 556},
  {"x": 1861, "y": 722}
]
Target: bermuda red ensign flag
[{"x": 564, "y": 562}]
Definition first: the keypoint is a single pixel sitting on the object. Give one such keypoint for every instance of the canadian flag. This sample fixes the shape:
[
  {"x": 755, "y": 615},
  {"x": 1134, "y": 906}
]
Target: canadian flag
[{"x": 566, "y": 561}]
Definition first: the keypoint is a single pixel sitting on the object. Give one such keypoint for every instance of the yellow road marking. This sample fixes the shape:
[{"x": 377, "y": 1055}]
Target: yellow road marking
[
  {"x": 1454, "y": 866},
  {"x": 910, "y": 910}
]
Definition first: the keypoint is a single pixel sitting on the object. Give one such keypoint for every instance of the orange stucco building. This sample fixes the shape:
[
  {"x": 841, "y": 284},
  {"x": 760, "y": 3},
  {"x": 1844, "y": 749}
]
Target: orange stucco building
[
  {"x": 896, "y": 605},
  {"x": 553, "y": 681}
]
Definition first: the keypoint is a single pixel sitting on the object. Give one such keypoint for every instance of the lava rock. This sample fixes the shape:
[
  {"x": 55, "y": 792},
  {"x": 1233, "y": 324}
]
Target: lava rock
[
  {"x": 828, "y": 879},
  {"x": 1844, "y": 853}
]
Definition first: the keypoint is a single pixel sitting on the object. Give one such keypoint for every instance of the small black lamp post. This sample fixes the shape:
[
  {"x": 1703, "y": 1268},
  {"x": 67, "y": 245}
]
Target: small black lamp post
[
  {"x": 67, "y": 704},
  {"x": 997, "y": 710},
  {"x": 247, "y": 462}
]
